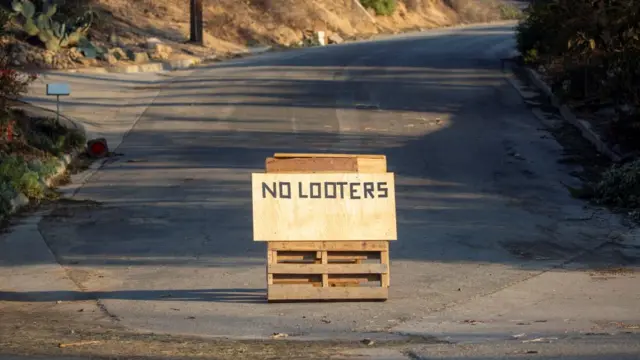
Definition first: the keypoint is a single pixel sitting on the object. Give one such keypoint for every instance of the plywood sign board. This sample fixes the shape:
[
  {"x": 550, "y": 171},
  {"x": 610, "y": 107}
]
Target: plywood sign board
[{"x": 324, "y": 207}]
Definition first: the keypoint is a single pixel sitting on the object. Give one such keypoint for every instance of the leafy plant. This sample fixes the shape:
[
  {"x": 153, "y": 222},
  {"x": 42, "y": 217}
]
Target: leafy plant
[
  {"x": 15, "y": 171},
  {"x": 7, "y": 193},
  {"x": 590, "y": 50},
  {"x": 619, "y": 187},
  {"x": 48, "y": 135},
  {"x": 42, "y": 22},
  {"x": 381, "y": 7},
  {"x": 13, "y": 84}
]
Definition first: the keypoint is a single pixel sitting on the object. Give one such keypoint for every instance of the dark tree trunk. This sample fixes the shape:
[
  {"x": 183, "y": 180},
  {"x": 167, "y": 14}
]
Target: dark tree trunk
[{"x": 196, "y": 22}]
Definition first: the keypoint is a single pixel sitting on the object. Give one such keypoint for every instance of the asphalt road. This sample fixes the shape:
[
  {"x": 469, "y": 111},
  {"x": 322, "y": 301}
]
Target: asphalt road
[{"x": 479, "y": 195}]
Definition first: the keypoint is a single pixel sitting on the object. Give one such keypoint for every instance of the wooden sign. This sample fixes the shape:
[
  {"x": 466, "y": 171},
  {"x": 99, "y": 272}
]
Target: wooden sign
[{"x": 324, "y": 207}]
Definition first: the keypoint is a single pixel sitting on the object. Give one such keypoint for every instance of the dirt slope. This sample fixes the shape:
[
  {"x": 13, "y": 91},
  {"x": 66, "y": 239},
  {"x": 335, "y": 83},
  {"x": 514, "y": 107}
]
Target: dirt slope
[
  {"x": 233, "y": 25},
  {"x": 284, "y": 21}
]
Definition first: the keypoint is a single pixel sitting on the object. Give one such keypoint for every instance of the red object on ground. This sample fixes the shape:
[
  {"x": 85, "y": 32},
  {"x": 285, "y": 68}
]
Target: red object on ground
[{"x": 97, "y": 147}]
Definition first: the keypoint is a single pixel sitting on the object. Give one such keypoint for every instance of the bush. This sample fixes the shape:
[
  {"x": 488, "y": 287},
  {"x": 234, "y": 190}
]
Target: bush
[
  {"x": 50, "y": 136},
  {"x": 619, "y": 187},
  {"x": 381, "y": 7},
  {"x": 7, "y": 193},
  {"x": 15, "y": 171},
  {"x": 590, "y": 50},
  {"x": 13, "y": 84}
]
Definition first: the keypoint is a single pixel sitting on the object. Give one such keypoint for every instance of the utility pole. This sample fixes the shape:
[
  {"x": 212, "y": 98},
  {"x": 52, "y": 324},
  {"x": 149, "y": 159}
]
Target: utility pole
[{"x": 196, "y": 35}]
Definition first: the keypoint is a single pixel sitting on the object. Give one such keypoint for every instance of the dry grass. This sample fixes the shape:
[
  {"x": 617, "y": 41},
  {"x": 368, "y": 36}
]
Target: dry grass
[
  {"x": 472, "y": 11},
  {"x": 285, "y": 21}
]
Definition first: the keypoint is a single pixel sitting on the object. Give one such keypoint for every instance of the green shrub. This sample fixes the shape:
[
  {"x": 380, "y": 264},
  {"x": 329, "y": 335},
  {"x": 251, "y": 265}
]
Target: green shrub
[
  {"x": 15, "y": 171},
  {"x": 48, "y": 135},
  {"x": 7, "y": 193},
  {"x": 54, "y": 29},
  {"x": 381, "y": 7},
  {"x": 619, "y": 187},
  {"x": 590, "y": 52},
  {"x": 44, "y": 169}
]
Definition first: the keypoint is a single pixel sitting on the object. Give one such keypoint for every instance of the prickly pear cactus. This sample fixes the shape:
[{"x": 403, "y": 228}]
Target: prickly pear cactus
[
  {"x": 27, "y": 10},
  {"x": 54, "y": 34}
]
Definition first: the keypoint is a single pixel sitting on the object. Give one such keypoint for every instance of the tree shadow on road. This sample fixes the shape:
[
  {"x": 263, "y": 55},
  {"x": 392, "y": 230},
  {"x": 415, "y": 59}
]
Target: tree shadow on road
[{"x": 205, "y": 295}]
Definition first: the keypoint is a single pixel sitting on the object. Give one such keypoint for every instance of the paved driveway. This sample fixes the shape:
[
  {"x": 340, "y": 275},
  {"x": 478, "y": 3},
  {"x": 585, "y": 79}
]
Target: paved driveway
[{"x": 479, "y": 194}]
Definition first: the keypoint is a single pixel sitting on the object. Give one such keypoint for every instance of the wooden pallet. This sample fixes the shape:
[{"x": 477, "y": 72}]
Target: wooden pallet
[{"x": 327, "y": 270}]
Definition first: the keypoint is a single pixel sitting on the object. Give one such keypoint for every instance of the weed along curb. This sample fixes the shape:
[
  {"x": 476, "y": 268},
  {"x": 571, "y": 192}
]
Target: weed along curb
[{"x": 567, "y": 115}]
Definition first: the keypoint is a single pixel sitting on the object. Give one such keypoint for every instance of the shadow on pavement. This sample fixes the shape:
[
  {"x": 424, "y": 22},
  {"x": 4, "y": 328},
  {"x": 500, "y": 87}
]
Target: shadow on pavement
[
  {"x": 476, "y": 177},
  {"x": 206, "y": 295}
]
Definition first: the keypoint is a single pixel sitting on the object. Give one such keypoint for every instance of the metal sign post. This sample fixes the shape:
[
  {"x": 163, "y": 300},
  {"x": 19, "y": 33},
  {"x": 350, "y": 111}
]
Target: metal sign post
[{"x": 58, "y": 90}]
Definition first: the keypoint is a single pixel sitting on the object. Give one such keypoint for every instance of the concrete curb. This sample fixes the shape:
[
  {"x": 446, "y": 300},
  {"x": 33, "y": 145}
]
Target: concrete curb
[{"x": 585, "y": 128}]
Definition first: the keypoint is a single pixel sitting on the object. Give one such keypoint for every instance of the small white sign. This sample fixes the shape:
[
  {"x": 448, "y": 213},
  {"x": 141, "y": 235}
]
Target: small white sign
[{"x": 58, "y": 89}]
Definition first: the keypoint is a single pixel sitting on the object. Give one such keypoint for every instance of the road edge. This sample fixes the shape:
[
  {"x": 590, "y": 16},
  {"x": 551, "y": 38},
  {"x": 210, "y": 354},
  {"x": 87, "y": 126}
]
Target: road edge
[{"x": 565, "y": 113}]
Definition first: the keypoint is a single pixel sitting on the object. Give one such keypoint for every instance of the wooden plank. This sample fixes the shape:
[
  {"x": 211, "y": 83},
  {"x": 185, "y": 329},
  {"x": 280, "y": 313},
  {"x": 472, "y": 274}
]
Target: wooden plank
[
  {"x": 297, "y": 279},
  {"x": 325, "y": 276},
  {"x": 325, "y": 165},
  {"x": 385, "y": 279},
  {"x": 312, "y": 165},
  {"x": 367, "y": 165},
  {"x": 370, "y": 245},
  {"x": 296, "y": 256},
  {"x": 328, "y": 268},
  {"x": 333, "y": 279},
  {"x": 312, "y": 155},
  {"x": 271, "y": 259},
  {"x": 323, "y": 207},
  {"x": 332, "y": 256},
  {"x": 341, "y": 256},
  {"x": 353, "y": 278},
  {"x": 306, "y": 292}
]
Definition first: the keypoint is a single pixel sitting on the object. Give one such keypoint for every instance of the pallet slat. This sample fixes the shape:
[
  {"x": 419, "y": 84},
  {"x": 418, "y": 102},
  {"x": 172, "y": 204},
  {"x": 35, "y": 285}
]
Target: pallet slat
[
  {"x": 332, "y": 256},
  {"x": 328, "y": 269},
  {"x": 311, "y": 155},
  {"x": 378, "y": 245}
]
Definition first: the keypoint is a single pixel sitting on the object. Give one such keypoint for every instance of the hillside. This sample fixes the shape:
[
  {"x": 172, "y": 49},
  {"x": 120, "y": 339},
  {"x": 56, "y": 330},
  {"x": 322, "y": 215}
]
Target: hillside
[{"x": 234, "y": 25}]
